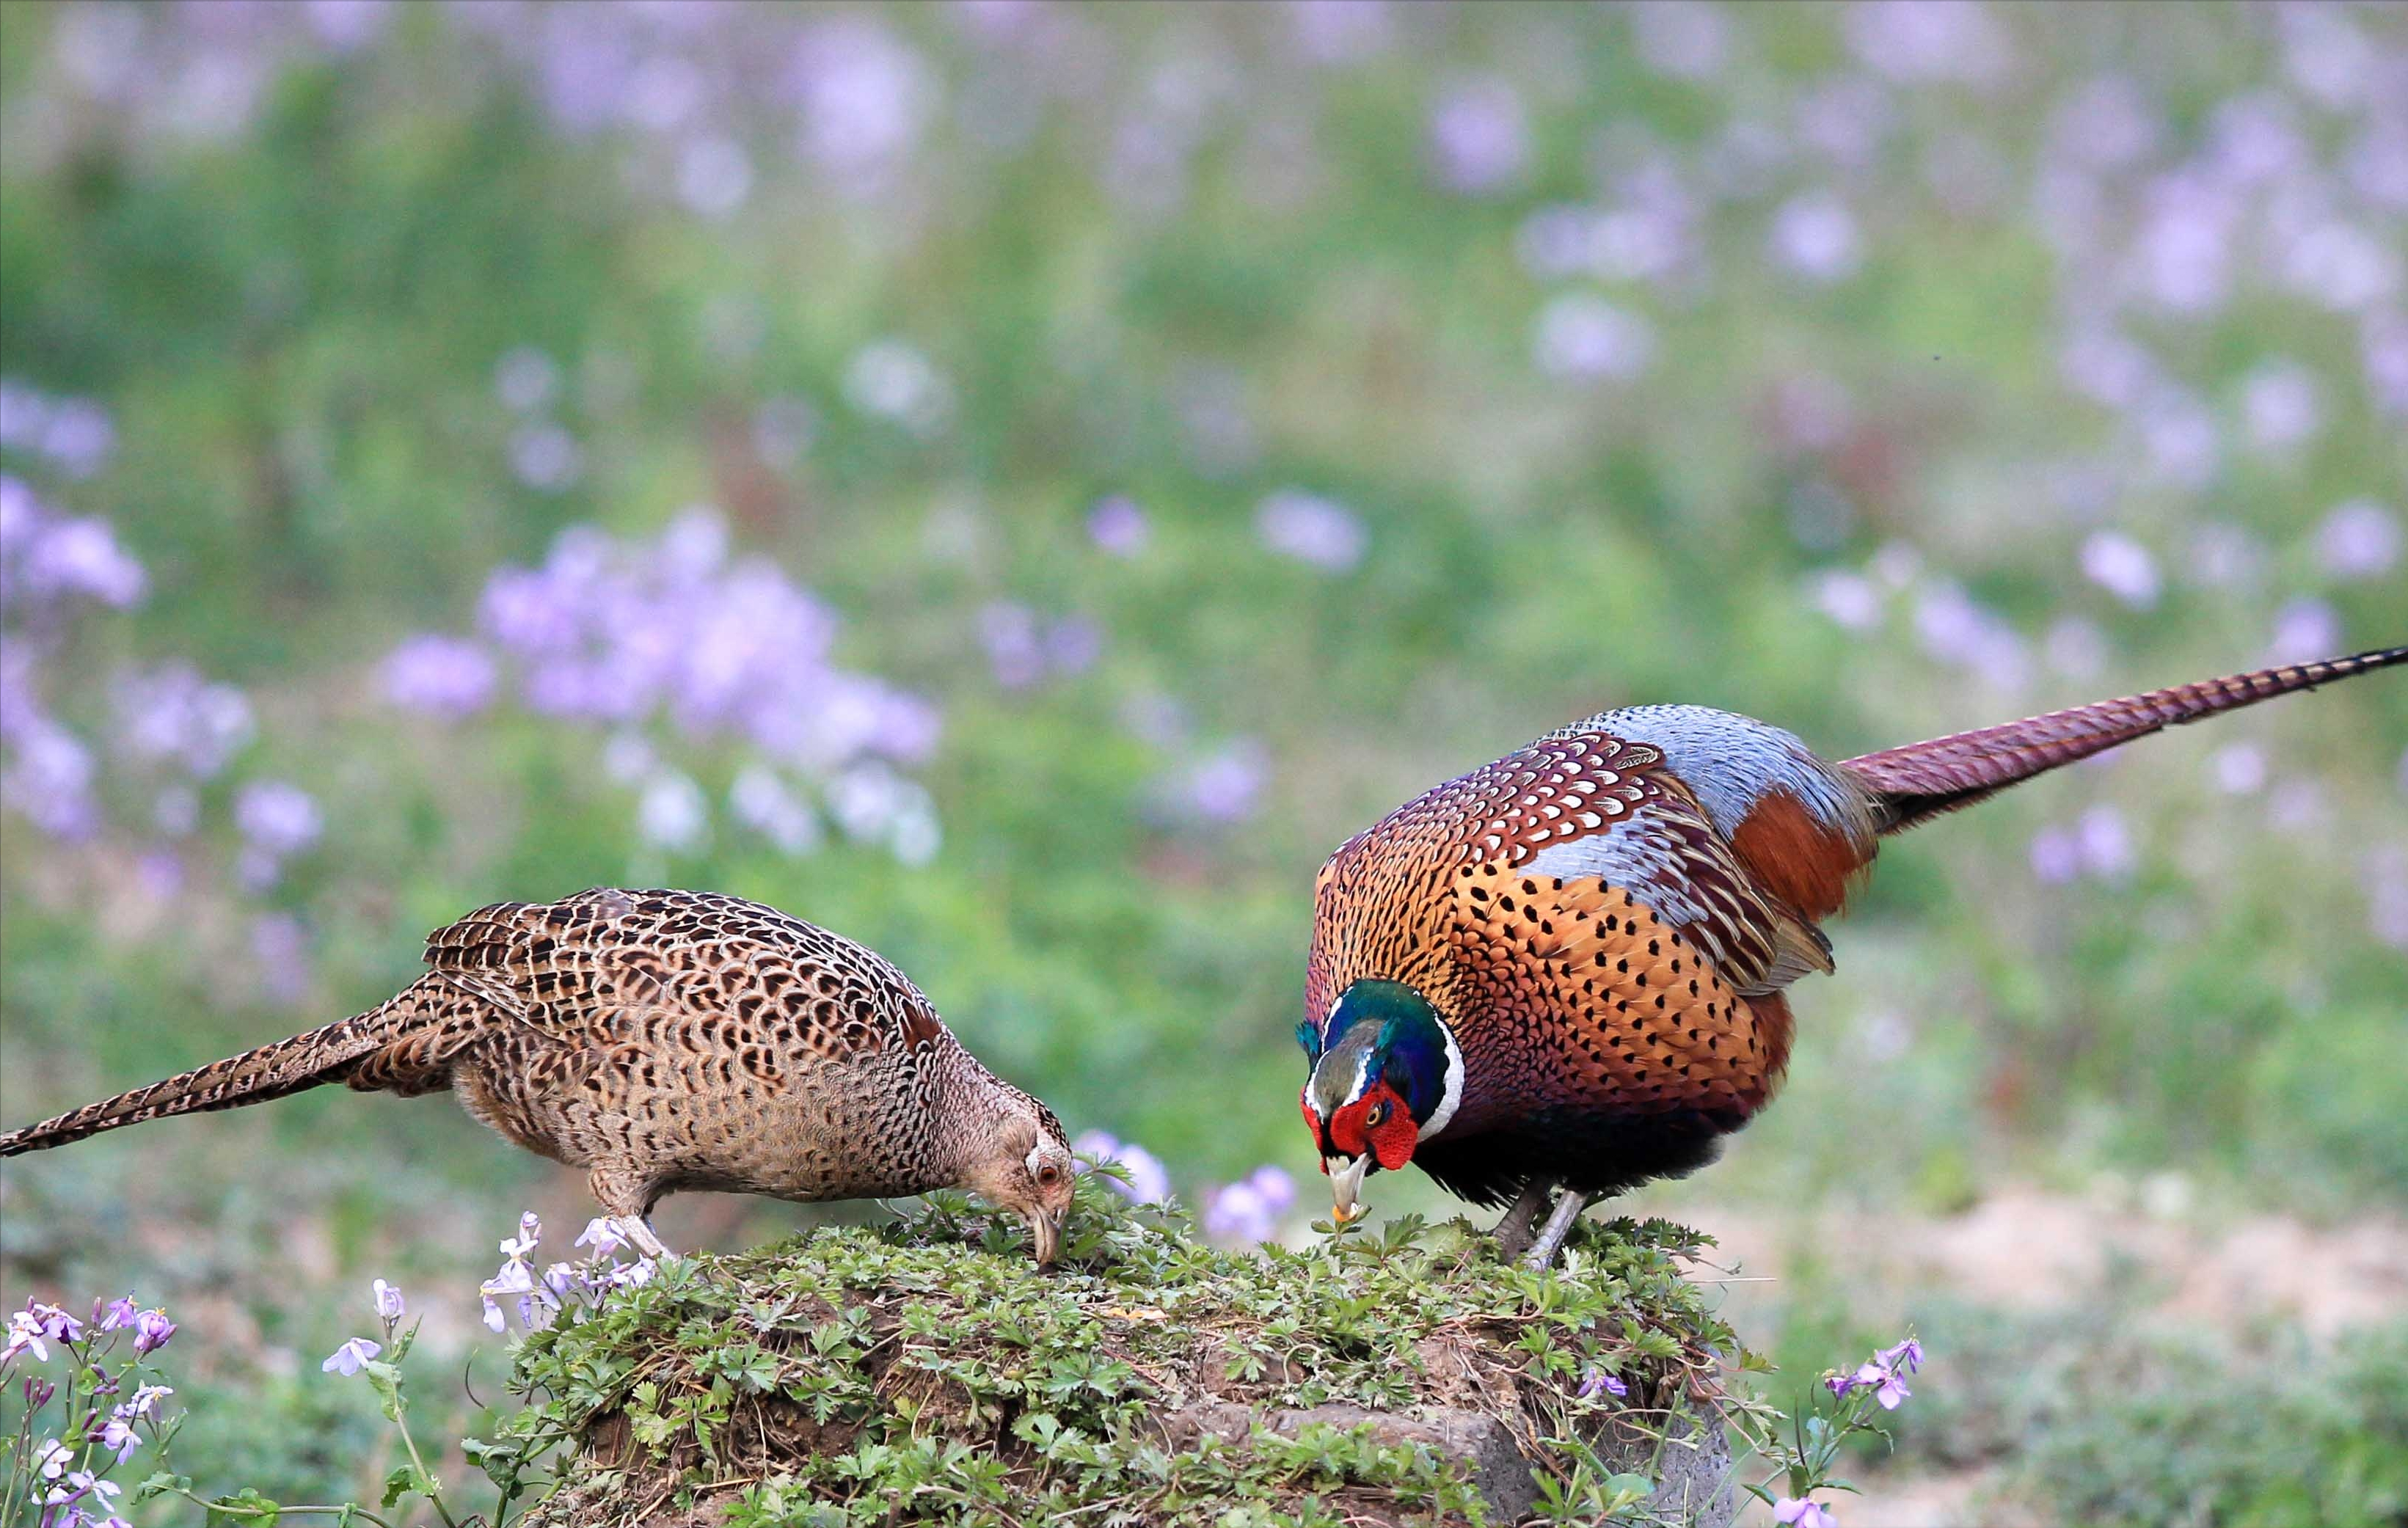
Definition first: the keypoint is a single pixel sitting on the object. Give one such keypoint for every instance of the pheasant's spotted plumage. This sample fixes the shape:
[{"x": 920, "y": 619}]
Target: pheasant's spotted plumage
[
  {"x": 1605, "y": 921},
  {"x": 662, "y": 1040}
]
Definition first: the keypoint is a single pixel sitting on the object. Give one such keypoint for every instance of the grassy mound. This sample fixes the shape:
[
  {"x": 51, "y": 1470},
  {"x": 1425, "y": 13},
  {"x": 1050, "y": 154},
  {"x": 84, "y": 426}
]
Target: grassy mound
[{"x": 926, "y": 1371}]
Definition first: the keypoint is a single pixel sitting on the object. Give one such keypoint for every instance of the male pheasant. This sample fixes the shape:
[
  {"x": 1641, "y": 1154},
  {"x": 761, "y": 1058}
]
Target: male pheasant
[
  {"x": 666, "y": 1040},
  {"x": 1566, "y": 968}
]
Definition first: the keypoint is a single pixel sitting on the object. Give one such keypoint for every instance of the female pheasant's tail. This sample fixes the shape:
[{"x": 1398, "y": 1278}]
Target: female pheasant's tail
[
  {"x": 1918, "y": 782},
  {"x": 271, "y": 1071}
]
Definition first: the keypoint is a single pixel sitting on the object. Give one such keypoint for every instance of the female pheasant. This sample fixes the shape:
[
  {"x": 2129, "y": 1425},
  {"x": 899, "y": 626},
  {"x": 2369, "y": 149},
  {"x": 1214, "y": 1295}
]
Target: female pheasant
[
  {"x": 1566, "y": 968},
  {"x": 666, "y": 1040}
]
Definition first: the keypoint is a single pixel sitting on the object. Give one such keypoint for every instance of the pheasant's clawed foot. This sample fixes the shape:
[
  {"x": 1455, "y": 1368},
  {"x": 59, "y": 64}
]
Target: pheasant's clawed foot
[
  {"x": 1559, "y": 1225},
  {"x": 639, "y": 1231},
  {"x": 1521, "y": 1222}
]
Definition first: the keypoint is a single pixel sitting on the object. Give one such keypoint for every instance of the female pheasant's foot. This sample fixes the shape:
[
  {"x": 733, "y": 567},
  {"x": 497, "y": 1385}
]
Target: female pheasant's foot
[
  {"x": 1559, "y": 1225},
  {"x": 1521, "y": 1222},
  {"x": 639, "y": 1231}
]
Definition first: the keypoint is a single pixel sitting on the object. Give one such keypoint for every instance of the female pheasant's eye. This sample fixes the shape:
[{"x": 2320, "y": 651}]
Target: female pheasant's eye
[{"x": 1049, "y": 1175}]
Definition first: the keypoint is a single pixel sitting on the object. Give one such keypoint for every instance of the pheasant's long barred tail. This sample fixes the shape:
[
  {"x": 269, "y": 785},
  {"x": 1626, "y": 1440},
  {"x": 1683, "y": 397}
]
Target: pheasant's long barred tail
[
  {"x": 254, "y": 1076},
  {"x": 1918, "y": 782}
]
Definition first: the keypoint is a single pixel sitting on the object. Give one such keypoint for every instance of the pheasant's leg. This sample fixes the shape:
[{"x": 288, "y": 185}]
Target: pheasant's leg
[
  {"x": 1514, "y": 1231},
  {"x": 639, "y": 1231},
  {"x": 624, "y": 1194},
  {"x": 1559, "y": 1225}
]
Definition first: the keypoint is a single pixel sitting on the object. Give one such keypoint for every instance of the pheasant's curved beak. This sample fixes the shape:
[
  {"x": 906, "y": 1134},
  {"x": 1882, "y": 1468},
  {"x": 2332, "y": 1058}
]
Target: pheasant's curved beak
[
  {"x": 1046, "y": 1230},
  {"x": 1345, "y": 1183}
]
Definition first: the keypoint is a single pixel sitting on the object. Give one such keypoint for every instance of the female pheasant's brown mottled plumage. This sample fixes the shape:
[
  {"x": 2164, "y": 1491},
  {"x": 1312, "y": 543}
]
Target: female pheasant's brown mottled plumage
[
  {"x": 1605, "y": 921},
  {"x": 664, "y": 1040}
]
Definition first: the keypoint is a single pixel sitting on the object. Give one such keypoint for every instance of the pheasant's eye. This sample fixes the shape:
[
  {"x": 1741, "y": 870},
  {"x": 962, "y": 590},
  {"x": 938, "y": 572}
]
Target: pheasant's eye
[
  {"x": 1377, "y": 1113},
  {"x": 1049, "y": 1175}
]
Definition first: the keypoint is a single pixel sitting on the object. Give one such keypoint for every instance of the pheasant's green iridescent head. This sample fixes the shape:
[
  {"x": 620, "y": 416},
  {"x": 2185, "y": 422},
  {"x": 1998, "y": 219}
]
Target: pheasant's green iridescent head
[{"x": 1386, "y": 1076}]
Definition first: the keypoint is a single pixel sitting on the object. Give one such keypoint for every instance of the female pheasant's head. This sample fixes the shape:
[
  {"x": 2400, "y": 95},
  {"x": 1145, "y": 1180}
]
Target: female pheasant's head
[{"x": 1386, "y": 1076}]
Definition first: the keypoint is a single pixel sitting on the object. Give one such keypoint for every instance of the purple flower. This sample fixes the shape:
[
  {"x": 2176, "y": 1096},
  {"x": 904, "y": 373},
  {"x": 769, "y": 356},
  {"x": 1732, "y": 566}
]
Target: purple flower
[
  {"x": 152, "y": 1330},
  {"x": 443, "y": 676},
  {"x": 864, "y": 95},
  {"x": 530, "y": 1233},
  {"x": 1249, "y": 1211},
  {"x": 389, "y": 1302},
  {"x": 1923, "y": 41},
  {"x": 1583, "y": 338},
  {"x": 1149, "y": 1181},
  {"x": 118, "y": 1436},
  {"x": 278, "y": 817},
  {"x": 546, "y": 458},
  {"x": 2304, "y": 630},
  {"x": 1008, "y": 634},
  {"x": 2239, "y": 768},
  {"x": 170, "y": 713},
  {"x": 2362, "y": 539},
  {"x": 525, "y": 379},
  {"x": 25, "y": 1334},
  {"x": 51, "y": 1459},
  {"x": 672, "y": 813},
  {"x": 144, "y": 1399},
  {"x": 1311, "y": 529},
  {"x": 82, "y": 557},
  {"x": 1479, "y": 137},
  {"x": 49, "y": 779},
  {"x": 1815, "y": 236},
  {"x": 1800, "y": 1512},
  {"x": 1601, "y": 1381},
  {"x": 2122, "y": 566},
  {"x": 889, "y": 380},
  {"x": 117, "y": 1313},
  {"x": 762, "y": 802},
  {"x": 1680, "y": 38},
  {"x": 1118, "y": 526},
  {"x": 603, "y": 1235},
  {"x": 346, "y": 1359},
  {"x": 1888, "y": 1386},
  {"x": 2056, "y": 857},
  {"x": 1850, "y": 599},
  {"x": 280, "y": 945},
  {"x": 1224, "y": 786},
  {"x": 1072, "y": 645},
  {"x": 1907, "y": 1355}
]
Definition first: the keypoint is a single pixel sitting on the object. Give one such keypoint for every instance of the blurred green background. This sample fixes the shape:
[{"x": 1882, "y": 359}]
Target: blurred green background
[{"x": 1018, "y": 483}]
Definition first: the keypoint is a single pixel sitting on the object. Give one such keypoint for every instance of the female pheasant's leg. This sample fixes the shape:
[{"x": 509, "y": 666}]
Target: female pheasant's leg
[
  {"x": 1514, "y": 1231},
  {"x": 1559, "y": 1225},
  {"x": 625, "y": 1195},
  {"x": 639, "y": 1231}
]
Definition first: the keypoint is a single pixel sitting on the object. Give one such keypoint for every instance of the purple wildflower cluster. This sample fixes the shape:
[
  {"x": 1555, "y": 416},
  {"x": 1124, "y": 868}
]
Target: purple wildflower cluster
[
  {"x": 1149, "y": 1181},
  {"x": 1879, "y": 1381},
  {"x": 1318, "y": 532},
  {"x": 72, "y": 436},
  {"x": 1884, "y": 1374},
  {"x": 60, "y": 1480},
  {"x": 1241, "y": 1213},
  {"x": 1027, "y": 650},
  {"x": 540, "y": 1298},
  {"x": 1250, "y": 1209},
  {"x": 674, "y": 642},
  {"x": 172, "y": 732}
]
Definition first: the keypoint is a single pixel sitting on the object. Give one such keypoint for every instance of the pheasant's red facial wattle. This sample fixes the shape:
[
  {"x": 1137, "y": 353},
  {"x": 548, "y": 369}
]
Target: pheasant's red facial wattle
[{"x": 1378, "y": 1124}]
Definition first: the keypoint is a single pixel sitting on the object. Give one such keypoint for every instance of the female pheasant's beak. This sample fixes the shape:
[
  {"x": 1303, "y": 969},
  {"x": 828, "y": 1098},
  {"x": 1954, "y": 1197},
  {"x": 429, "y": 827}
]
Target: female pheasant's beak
[
  {"x": 1345, "y": 1184},
  {"x": 1046, "y": 1231}
]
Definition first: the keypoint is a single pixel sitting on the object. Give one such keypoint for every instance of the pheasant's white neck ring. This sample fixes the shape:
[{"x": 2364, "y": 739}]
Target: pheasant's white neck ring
[{"x": 1451, "y": 1098}]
